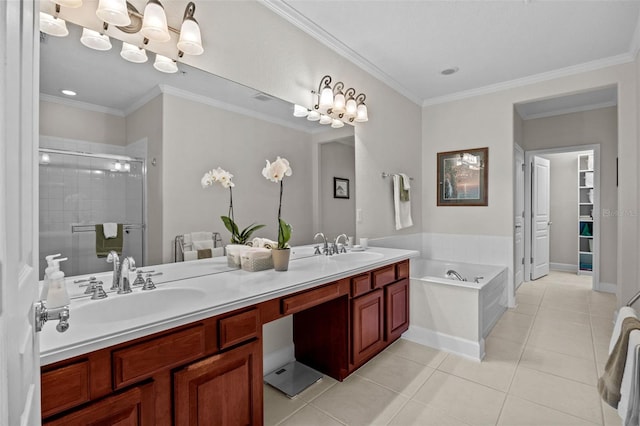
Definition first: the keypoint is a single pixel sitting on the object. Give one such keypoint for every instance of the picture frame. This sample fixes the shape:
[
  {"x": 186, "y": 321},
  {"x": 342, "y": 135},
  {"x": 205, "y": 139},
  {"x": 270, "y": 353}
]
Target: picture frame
[
  {"x": 463, "y": 177},
  {"x": 340, "y": 188}
]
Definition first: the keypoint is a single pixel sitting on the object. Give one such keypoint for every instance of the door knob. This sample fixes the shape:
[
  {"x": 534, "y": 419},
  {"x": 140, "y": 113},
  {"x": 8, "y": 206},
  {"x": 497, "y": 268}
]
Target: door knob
[
  {"x": 518, "y": 226},
  {"x": 549, "y": 223}
]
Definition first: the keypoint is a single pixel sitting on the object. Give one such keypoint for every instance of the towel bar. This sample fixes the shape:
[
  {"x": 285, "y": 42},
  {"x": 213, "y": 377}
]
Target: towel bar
[
  {"x": 633, "y": 299},
  {"x": 92, "y": 228},
  {"x": 386, "y": 175}
]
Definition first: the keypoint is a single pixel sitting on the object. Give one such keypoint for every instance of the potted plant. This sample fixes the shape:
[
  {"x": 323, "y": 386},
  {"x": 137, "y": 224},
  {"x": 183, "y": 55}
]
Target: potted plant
[
  {"x": 275, "y": 172},
  {"x": 223, "y": 177}
]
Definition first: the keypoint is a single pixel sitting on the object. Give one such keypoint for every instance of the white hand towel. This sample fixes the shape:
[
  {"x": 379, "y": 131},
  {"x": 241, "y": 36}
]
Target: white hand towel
[
  {"x": 629, "y": 405},
  {"x": 201, "y": 236},
  {"x": 110, "y": 229},
  {"x": 217, "y": 252},
  {"x": 190, "y": 255},
  {"x": 402, "y": 208}
]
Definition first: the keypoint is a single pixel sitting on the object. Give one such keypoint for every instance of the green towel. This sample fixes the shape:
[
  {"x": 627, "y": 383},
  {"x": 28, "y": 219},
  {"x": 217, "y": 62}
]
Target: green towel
[
  {"x": 609, "y": 383},
  {"x": 404, "y": 193},
  {"x": 105, "y": 245}
]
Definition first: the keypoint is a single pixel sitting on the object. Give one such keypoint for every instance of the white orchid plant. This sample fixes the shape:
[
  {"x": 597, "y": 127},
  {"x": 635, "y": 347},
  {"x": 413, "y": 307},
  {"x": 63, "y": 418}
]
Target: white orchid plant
[
  {"x": 223, "y": 177},
  {"x": 275, "y": 172}
]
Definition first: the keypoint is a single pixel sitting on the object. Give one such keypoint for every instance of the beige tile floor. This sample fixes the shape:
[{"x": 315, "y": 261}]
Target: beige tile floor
[{"x": 543, "y": 359}]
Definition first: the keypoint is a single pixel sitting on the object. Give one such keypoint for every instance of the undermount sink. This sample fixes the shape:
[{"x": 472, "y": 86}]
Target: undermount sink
[
  {"x": 118, "y": 307},
  {"x": 356, "y": 256}
]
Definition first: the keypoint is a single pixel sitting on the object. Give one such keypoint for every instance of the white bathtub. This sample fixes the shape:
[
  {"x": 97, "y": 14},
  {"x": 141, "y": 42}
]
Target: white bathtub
[{"x": 451, "y": 315}]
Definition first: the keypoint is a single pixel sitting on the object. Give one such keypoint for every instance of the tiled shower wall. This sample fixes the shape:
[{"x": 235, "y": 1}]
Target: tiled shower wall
[{"x": 81, "y": 190}]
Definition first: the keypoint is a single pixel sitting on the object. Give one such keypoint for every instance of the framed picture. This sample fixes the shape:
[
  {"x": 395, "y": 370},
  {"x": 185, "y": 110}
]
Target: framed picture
[
  {"x": 340, "y": 187},
  {"x": 463, "y": 177}
]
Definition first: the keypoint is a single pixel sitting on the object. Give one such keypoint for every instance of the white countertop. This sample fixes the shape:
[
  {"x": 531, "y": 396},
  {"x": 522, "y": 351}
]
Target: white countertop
[{"x": 209, "y": 289}]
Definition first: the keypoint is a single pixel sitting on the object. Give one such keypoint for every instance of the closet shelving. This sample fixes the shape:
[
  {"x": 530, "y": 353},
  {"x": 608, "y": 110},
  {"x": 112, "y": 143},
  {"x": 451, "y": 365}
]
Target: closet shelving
[{"x": 585, "y": 221}]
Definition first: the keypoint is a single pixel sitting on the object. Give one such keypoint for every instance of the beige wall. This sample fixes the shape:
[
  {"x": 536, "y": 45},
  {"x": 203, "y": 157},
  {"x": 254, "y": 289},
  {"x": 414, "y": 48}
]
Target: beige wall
[
  {"x": 198, "y": 138},
  {"x": 146, "y": 123},
  {"x": 598, "y": 127},
  {"x": 69, "y": 122},
  {"x": 488, "y": 120},
  {"x": 338, "y": 214}
]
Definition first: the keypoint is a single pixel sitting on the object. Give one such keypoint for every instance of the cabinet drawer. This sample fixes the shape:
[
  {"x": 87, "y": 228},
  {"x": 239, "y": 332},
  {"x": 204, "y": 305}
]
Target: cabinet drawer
[
  {"x": 384, "y": 276},
  {"x": 238, "y": 328},
  {"x": 302, "y": 301},
  {"x": 142, "y": 360},
  {"x": 65, "y": 387},
  {"x": 402, "y": 270},
  {"x": 360, "y": 284}
]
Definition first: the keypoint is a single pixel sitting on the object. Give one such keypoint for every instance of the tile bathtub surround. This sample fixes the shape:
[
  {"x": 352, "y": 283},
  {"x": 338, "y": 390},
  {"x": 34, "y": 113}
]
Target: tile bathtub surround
[{"x": 530, "y": 376}]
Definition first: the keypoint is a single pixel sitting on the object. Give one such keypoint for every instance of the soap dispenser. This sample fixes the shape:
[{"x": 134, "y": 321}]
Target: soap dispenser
[
  {"x": 51, "y": 268},
  {"x": 57, "y": 295}
]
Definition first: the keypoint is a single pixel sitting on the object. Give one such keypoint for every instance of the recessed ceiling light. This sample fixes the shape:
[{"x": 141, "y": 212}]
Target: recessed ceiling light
[
  {"x": 449, "y": 71},
  {"x": 68, "y": 92}
]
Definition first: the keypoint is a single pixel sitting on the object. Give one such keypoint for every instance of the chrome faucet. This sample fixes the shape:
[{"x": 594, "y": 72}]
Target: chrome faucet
[
  {"x": 341, "y": 248},
  {"x": 112, "y": 257},
  {"x": 453, "y": 274},
  {"x": 126, "y": 266},
  {"x": 325, "y": 247}
]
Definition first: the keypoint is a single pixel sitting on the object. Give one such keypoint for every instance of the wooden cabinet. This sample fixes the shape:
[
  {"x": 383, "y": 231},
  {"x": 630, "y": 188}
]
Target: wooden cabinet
[
  {"x": 132, "y": 407},
  {"x": 210, "y": 371},
  {"x": 224, "y": 389},
  {"x": 367, "y": 325}
]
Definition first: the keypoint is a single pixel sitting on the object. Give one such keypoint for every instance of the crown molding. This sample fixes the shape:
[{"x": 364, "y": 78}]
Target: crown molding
[
  {"x": 81, "y": 105},
  {"x": 562, "y": 111},
  {"x": 537, "y": 78},
  {"x": 173, "y": 91},
  {"x": 302, "y": 22}
]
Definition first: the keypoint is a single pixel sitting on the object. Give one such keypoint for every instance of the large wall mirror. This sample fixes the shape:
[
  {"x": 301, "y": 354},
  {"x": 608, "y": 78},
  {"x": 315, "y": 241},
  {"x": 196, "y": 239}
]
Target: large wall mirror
[{"x": 133, "y": 143}]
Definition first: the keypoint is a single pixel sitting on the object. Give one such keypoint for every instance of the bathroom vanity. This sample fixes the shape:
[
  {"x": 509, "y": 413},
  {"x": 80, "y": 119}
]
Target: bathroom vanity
[{"x": 204, "y": 365}]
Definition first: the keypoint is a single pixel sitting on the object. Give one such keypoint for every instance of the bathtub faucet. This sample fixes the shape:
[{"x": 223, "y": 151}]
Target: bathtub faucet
[{"x": 453, "y": 274}]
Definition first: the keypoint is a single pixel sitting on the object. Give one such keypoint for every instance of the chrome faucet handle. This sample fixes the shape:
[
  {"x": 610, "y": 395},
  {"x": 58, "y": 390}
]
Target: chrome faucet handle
[
  {"x": 84, "y": 280},
  {"x": 341, "y": 248},
  {"x": 148, "y": 284},
  {"x": 98, "y": 292},
  {"x": 317, "y": 250},
  {"x": 139, "y": 279},
  {"x": 91, "y": 286},
  {"x": 477, "y": 279}
]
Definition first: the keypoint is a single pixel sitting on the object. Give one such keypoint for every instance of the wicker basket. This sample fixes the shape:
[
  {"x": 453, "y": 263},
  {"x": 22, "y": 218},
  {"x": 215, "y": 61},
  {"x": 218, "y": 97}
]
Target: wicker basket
[{"x": 254, "y": 265}]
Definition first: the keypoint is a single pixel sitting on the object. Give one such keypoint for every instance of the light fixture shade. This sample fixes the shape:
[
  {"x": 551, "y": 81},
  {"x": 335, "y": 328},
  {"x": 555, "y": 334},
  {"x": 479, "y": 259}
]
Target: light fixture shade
[
  {"x": 68, "y": 3},
  {"x": 325, "y": 119},
  {"x": 326, "y": 98},
  {"x": 362, "y": 115},
  {"x": 336, "y": 124},
  {"x": 154, "y": 23},
  {"x": 313, "y": 116},
  {"x": 133, "y": 53},
  {"x": 164, "y": 64},
  {"x": 114, "y": 12},
  {"x": 190, "y": 40},
  {"x": 351, "y": 108},
  {"x": 53, "y": 26},
  {"x": 95, "y": 40},
  {"x": 339, "y": 103},
  {"x": 299, "y": 111}
]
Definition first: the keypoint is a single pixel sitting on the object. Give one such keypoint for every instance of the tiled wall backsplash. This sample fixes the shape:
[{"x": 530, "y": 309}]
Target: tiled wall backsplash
[{"x": 82, "y": 190}]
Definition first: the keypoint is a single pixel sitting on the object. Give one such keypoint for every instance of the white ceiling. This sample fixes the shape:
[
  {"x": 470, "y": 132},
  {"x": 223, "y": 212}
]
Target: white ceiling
[{"x": 493, "y": 43}]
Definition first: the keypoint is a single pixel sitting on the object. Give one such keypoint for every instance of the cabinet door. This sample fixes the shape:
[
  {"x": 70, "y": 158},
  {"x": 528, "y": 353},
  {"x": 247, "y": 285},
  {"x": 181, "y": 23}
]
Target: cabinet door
[
  {"x": 397, "y": 309},
  {"x": 224, "y": 389},
  {"x": 367, "y": 326},
  {"x": 130, "y": 408}
]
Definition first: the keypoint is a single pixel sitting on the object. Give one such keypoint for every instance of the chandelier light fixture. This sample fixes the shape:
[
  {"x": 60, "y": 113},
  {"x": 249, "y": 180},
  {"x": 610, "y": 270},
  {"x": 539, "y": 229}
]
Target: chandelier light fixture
[
  {"x": 335, "y": 105},
  {"x": 151, "y": 25}
]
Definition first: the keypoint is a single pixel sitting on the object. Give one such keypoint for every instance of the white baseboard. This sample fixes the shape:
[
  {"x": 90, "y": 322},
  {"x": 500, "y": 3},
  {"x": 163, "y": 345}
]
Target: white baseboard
[
  {"x": 607, "y": 287},
  {"x": 564, "y": 267},
  {"x": 445, "y": 342},
  {"x": 277, "y": 359}
]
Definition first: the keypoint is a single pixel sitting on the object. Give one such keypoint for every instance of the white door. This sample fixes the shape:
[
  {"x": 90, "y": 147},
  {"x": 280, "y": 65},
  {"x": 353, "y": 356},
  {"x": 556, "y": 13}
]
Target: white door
[
  {"x": 540, "y": 177},
  {"x": 19, "y": 349},
  {"x": 518, "y": 220}
]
